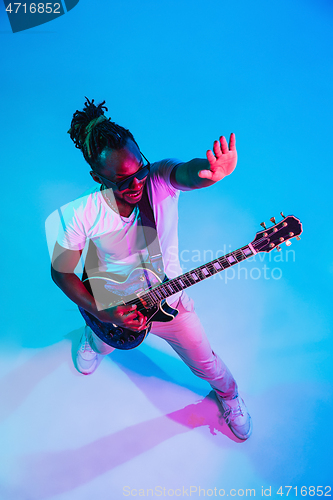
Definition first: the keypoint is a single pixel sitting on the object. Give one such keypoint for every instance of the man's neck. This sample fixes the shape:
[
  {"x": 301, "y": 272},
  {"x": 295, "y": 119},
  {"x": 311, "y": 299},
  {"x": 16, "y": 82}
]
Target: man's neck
[
  {"x": 125, "y": 209},
  {"x": 122, "y": 207}
]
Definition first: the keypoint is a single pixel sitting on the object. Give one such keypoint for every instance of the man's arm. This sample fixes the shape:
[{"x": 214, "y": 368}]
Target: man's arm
[
  {"x": 64, "y": 262},
  {"x": 199, "y": 173}
]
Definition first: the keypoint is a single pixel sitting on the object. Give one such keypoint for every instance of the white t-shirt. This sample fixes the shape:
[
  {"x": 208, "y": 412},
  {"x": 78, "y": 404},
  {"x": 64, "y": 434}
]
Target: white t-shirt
[{"x": 120, "y": 247}]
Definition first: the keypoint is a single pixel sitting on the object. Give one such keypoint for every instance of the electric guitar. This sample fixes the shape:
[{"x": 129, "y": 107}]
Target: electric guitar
[{"x": 149, "y": 293}]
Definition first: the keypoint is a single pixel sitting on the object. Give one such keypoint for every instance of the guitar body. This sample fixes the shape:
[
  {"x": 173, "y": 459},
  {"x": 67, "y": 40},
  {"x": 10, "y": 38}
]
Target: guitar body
[{"x": 110, "y": 292}]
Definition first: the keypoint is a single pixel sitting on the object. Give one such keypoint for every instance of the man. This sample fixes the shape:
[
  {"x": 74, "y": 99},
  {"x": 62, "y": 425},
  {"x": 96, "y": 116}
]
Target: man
[{"x": 108, "y": 216}]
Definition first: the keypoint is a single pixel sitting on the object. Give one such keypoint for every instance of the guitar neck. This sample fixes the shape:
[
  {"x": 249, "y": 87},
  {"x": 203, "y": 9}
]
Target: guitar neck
[{"x": 170, "y": 287}]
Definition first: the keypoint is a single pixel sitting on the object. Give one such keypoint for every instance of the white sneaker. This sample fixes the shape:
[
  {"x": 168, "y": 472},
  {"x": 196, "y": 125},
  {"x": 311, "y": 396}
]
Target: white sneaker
[
  {"x": 87, "y": 360},
  {"x": 236, "y": 416}
]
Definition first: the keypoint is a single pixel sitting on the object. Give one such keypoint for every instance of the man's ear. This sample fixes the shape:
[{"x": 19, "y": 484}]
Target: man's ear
[{"x": 95, "y": 177}]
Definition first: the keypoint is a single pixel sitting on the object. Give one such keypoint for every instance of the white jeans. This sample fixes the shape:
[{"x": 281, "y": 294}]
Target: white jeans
[{"x": 186, "y": 336}]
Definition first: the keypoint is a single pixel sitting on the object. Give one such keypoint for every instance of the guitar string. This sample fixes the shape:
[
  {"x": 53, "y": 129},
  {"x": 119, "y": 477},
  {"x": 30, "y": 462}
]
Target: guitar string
[
  {"x": 240, "y": 256},
  {"x": 198, "y": 272},
  {"x": 188, "y": 278},
  {"x": 152, "y": 297}
]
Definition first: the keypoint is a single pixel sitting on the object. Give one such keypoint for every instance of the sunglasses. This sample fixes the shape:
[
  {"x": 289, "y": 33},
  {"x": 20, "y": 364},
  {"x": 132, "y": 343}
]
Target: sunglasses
[{"x": 127, "y": 181}]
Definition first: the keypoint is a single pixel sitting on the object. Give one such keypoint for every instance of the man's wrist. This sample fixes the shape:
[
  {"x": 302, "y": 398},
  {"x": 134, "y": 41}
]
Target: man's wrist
[{"x": 186, "y": 175}]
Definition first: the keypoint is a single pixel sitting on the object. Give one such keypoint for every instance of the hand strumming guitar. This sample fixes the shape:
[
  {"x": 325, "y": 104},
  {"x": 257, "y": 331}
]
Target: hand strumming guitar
[{"x": 123, "y": 315}]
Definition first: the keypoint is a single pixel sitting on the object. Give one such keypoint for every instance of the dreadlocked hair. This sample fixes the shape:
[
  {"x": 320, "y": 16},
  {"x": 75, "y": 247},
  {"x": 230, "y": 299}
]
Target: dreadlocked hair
[{"x": 92, "y": 132}]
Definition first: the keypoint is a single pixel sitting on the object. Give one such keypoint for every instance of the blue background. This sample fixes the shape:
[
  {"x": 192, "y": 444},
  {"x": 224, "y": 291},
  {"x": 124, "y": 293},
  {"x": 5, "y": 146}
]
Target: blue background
[{"x": 179, "y": 74}]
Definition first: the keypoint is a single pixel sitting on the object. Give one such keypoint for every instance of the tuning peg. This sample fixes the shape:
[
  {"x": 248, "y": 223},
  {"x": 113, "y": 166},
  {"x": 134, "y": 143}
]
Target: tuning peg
[
  {"x": 283, "y": 216},
  {"x": 278, "y": 248},
  {"x": 288, "y": 243},
  {"x": 298, "y": 238},
  {"x": 263, "y": 225},
  {"x": 272, "y": 219}
]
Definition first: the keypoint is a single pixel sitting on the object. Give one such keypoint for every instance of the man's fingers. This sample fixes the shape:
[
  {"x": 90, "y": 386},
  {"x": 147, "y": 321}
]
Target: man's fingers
[
  {"x": 140, "y": 318},
  {"x": 221, "y": 147},
  {"x": 126, "y": 308},
  {"x": 129, "y": 316},
  {"x": 232, "y": 142},
  {"x": 137, "y": 324},
  {"x": 224, "y": 144},
  {"x": 210, "y": 157},
  {"x": 205, "y": 174},
  {"x": 217, "y": 149}
]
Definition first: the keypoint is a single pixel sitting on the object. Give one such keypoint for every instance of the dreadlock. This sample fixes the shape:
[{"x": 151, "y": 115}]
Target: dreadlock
[{"x": 92, "y": 132}]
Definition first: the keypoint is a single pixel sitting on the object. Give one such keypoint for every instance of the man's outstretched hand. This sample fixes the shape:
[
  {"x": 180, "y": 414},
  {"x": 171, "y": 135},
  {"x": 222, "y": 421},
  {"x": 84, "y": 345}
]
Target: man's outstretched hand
[{"x": 222, "y": 159}]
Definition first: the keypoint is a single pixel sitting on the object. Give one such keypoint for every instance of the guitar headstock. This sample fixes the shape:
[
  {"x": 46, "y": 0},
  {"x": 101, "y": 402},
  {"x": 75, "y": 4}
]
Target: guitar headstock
[{"x": 272, "y": 237}]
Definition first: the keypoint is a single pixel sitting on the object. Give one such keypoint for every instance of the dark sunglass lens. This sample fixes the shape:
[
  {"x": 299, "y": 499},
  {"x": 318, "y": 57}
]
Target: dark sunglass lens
[
  {"x": 124, "y": 185},
  {"x": 141, "y": 174}
]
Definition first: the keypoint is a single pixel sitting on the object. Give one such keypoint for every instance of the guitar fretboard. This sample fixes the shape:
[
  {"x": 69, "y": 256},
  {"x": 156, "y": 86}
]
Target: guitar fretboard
[{"x": 172, "y": 286}]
